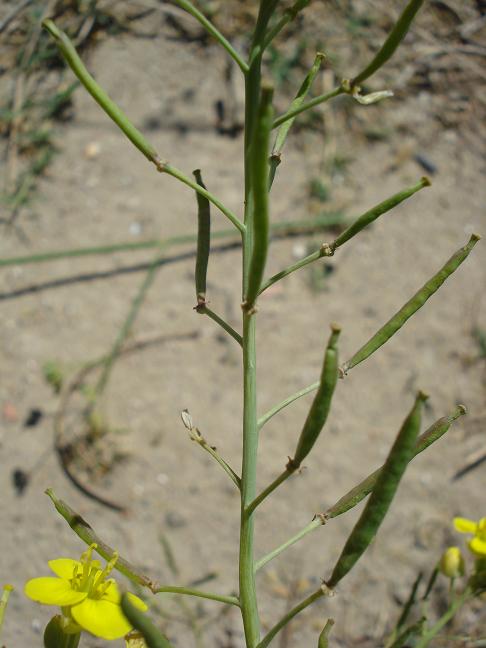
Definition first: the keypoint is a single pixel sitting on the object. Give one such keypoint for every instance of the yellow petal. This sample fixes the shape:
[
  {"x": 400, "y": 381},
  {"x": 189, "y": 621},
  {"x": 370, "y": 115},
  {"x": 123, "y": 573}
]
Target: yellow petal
[
  {"x": 137, "y": 602},
  {"x": 477, "y": 546},
  {"x": 464, "y": 525},
  {"x": 102, "y": 618},
  {"x": 64, "y": 567},
  {"x": 53, "y": 591},
  {"x": 113, "y": 595}
]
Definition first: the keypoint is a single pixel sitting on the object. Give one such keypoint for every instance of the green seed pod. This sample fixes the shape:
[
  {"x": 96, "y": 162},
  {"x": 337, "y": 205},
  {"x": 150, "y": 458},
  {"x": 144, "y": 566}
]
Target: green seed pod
[
  {"x": 324, "y": 636},
  {"x": 321, "y": 404},
  {"x": 55, "y": 635},
  {"x": 364, "y": 488},
  {"x": 203, "y": 241},
  {"x": 412, "y": 306},
  {"x": 260, "y": 214},
  {"x": 372, "y": 214},
  {"x": 68, "y": 50},
  {"x": 382, "y": 495},
  {"x": 394, "y": 39},
  {"x": 140, "y": 621}
]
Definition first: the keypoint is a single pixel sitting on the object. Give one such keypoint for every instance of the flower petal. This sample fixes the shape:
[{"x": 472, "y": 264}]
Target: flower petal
[
  {"x": 64, "y": 567},
  {"x": 464, "y": 525},
  {"x": 102, "y": 618},
  {"x": 477, "y": 546},
  {"x": 113, "y": 595},
  {"x": 53, "y": 591}
]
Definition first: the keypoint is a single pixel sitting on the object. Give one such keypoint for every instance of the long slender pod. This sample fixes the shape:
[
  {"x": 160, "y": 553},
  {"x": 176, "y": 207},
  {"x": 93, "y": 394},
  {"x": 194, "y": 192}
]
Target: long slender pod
[
  {"x": 411, "y": 307},
  {"x": 283, "y": 131},
  {"x": 259, "y": 183},
  {"x": 321, "y": 404},
  {"x": 328, "y": 249},
  {"x": 364, "y": 488},
  {"x": 372, "y": 214},
  {"x": 99, "y": 95},
  {"x": 383, "y": 493},
  {"x": 394, "y": 39},
  {"x": 141, "y": 622},
  {"x": 324, "y": 636},
  {"x": 203, "y": 241}
]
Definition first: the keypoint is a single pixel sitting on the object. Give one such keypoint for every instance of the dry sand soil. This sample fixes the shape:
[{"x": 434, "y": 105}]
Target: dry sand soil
[{"x": 181, "y": 513}]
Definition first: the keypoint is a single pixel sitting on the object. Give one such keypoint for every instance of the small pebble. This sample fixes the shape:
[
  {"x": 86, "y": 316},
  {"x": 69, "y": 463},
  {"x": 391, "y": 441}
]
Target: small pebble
[{"x": 92, "y": 150}]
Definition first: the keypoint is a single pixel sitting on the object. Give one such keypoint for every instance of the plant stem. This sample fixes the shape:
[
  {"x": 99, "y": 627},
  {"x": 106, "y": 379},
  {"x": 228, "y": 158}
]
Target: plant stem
[
  {"x": 308, "y": 105},
  {"x": 454, "y": 607},
  {"x": 290, "y": 399},
  {"x": 289, "y": 616},
  {"x": 211, "y": 29},
  {"x": 295, "y": 266},
  {"x": 248, "y": 600},
  {"x": 165, "y": 167},
  {"x": 188, "y": 591},
  {"x": 315, "y": 524},
  {"x": 204, "y": 310},
  {"x": 268, "y": 490}
]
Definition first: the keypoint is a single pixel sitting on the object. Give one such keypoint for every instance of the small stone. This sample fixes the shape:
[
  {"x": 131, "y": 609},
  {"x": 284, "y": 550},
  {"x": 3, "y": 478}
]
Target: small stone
[
  {"x": 174, "y": 520},
  {"x": 92, "y": 150}
]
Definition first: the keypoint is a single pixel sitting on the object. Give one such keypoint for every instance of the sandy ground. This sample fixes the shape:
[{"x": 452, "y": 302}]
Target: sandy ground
[{"x": 170, "y": 486}]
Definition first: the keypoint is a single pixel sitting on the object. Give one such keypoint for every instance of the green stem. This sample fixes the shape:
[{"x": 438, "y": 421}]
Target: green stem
[
  {"x": 295, "y": 266},
  {"x": 211, "y": 29},
  {"x": 268, "y": 490},
  {"x": 317, "y": 522},
  {"x": 165, "y": 167},
  {"x": 289, "y": 616},
  {"x": 204, "y": 310},
  {"x": 289, "y": 15},
  {"x": 248, "y": 600},
  {"x": 308, "y": 105},
  {"x": 189, "y": 591},
  {"x": 455, "y": 606},
  {"x": 290, "y": 399}
]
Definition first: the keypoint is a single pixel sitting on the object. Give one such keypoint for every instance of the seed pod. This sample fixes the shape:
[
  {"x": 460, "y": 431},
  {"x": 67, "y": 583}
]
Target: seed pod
[
  {"x": 372, "y": 214},
  {"x": 203, "y": 241},
  {"x": 383, "y": 493},
  {"x": 412, "y": 306},
  {"x": 258, "y": 229},
  {"x": 321, "y": 404},
  {"x": 394, "y": 39},
  {"x": 364, "y": 488},
  {"x": 70, "y": 54},
  {"x": 140, "y": 621},
  {"x": 324, "y": 636},
  {"x": 283, "y": 131}
]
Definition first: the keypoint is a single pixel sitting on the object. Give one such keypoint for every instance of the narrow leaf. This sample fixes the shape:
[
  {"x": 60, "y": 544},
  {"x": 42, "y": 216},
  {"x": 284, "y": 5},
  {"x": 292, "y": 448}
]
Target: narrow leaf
[
  {"x": 383, "y": 493},
  {"x": 259, "y": 178},
  {"x": 140, "y": 621},
  {"x": 203, "y": 241},
  {"x": 411, "y": 307},
  {"x": 321, "y": 404},
  {"x": 394, "y": 39},
  {"x": 364, "y": 488},
  {"x": 372, "y": 214}
]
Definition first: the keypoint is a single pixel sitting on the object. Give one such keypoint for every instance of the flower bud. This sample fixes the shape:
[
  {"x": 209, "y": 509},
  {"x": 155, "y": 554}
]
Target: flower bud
[
  {"x": 452, "y": 563},
  {"x": 59, "y": 634}
]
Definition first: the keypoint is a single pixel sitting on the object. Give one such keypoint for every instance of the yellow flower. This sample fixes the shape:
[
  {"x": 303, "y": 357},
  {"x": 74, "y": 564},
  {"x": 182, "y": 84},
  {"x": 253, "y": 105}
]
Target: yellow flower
[
  {"x": 89, "y": 600},
  {"x": 452, "y": 563},
  {"x": 477, "y": 544}
]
